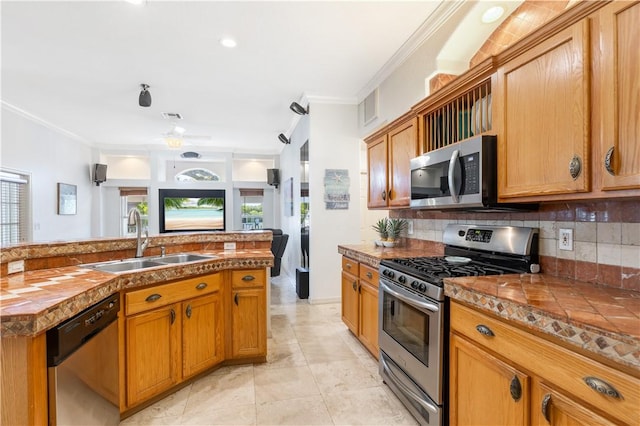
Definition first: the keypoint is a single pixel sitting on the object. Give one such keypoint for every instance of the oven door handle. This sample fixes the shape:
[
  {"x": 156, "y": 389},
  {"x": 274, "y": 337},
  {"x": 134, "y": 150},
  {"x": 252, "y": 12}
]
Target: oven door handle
[
  {"x": 416, "y": 303},
  {"x": 405, "y": 388}
]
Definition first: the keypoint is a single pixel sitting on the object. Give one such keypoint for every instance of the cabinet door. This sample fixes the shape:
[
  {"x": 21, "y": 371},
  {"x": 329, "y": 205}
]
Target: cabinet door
[
  {"x": 485, "y": 390},
  {"x": 249, "y": 323},
  {"x": 550, "y": 407},
  {"x": 369, "y": 317},
  {"x": 153, "y": 352},
  {"x": 377, "y": 167},
  {"x": 543, "y": 118},
  {"x": 403, "y": 146},
  {"x": 350, "y": 301},
  {"x": 618, "y": 96},
  {"x": 202, "y": 336}
]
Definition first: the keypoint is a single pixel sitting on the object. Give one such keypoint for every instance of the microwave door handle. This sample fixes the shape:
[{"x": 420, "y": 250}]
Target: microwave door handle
[
  {"x": 405, "y": 388},
  {"x": 416, "y": 303},
  {"x": 453, "y": 163}
]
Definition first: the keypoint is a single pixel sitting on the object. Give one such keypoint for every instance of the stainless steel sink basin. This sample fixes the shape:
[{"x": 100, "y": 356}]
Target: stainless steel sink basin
[
  {"x": 128, "y": 265},
  {"x": 182, "y": 258},
  {"x": 125, "y": 265}
]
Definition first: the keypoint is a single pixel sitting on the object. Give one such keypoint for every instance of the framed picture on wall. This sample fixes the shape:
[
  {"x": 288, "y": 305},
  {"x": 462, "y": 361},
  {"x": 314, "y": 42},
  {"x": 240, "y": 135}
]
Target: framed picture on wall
[
  {"x": 288, "y": 197},
  {"x": 67, "y": 198}
]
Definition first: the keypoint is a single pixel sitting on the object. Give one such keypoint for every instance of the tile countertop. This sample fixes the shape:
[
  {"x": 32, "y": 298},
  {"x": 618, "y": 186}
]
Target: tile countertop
[
  {"x": 596, "y": 319},
  {"x": 34, "y": 301}
]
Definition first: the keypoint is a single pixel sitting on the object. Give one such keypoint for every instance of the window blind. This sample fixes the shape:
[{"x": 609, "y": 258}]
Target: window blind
[{"x": 14, "y": 208}]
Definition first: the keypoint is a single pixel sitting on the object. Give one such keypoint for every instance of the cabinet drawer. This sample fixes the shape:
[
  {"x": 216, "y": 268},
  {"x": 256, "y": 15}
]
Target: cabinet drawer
[
  {"x": 554, "y": 364},
  {"x": 350, "y": 265},
  {"x": 248, "y": 278},
  {"x": 369, "y": 274},
  {"x": 165, "y": 294}
]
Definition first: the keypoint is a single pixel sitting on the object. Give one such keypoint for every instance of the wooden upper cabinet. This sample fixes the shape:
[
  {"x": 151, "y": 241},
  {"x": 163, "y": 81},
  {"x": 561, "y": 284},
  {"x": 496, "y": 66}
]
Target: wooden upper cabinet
[
  {"x": 403, "y": 146},
  {"x": 617, "y": 96},
  {"x": 388, "y": 165},
  {"x": 543, "y": 113},
  {"x": 377, "y": 166}
]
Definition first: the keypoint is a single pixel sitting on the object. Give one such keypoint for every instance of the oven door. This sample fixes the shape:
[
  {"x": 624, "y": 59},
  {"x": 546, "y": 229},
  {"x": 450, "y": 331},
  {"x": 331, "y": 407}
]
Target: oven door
[{"x": 411, "y": 333}]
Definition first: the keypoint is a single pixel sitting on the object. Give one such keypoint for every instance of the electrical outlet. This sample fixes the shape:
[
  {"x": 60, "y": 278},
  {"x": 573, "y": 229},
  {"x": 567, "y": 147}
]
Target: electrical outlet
[
  {"x": 230, "y": 246},
  {"x": 565, "y": 239},
  {"x": 410, "y": 227},
  {"x": 15, "y": 267}
]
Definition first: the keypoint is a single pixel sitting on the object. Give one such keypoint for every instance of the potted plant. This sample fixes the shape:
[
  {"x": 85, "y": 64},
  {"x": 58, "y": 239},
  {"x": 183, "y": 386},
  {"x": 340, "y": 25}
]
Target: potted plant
[
  {"x": 394, "y": 229},
  {"x": 381, "y": 227}
]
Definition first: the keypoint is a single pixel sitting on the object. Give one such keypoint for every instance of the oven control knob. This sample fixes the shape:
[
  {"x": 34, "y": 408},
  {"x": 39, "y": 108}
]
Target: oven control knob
[
  {"x": 422, "y": 287},
  {"x": 402, "y": 279},
  {"x": 414, "y": 285}
]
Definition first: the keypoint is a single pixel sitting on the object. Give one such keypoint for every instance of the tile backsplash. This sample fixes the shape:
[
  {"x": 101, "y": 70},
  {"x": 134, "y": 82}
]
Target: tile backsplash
[{"x": 606, "y": 237}]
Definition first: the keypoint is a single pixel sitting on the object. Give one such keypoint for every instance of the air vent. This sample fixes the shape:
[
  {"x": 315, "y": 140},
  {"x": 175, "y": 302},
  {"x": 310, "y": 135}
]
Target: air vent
[
  {"x": 171, "y": 115},
  {"x": 190, "y": 154},
  {"x": 370, "y": 107}
]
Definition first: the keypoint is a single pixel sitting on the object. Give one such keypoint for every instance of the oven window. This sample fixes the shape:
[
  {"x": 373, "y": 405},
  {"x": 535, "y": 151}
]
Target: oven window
[{"x": 407, "y": 325}]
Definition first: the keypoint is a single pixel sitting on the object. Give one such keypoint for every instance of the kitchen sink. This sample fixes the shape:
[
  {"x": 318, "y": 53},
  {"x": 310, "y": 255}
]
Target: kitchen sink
[
  {"x": 128, "y": 265},
  {"x": 181, "y": 258},
  {"x": 125, "y": 265}
]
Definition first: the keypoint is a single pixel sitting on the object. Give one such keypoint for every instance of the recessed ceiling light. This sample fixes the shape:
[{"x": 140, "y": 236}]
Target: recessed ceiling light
[
  {"x": 228, "y": 42},
  {"x": 492, "y": 14}
]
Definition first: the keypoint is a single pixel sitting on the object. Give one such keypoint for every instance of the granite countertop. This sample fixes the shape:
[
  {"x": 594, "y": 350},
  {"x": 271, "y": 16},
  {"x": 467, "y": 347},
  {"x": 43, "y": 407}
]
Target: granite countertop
[
  {"x": 596, "y": 319},
  {"x": 34, "y": 301}
]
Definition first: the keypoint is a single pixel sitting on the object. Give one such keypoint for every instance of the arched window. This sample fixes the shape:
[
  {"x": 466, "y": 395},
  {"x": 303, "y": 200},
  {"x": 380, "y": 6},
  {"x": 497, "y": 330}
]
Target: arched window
[{"x": 197, "y": 174}]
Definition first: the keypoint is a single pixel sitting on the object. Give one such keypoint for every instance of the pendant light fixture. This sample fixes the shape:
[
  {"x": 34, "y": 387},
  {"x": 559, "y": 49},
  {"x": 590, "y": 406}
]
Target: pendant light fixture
[{"x": 144, "y": 100}]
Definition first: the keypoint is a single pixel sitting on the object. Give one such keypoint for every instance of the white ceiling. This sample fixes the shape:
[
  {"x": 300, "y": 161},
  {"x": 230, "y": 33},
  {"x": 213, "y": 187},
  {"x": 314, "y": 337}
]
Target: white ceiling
[{"x": 78, "y": 65}]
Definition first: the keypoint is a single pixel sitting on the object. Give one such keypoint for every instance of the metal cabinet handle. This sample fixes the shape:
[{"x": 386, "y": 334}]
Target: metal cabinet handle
[
  {"x": 173, "y": 316},
  {"x": 354, "y": 285},
  {"x": 453, "y": 162},
  {"x": 575, "y": 166},
  {"x": 546, "y": 402},
  {"x": 188, "y": 311},
  {"x": 201, "y": 286},
  {"x": 248, "y": 278},
  {"x": 607, "y": 161},
  {"x": 348, "y": 265},
  {"x": 384, "y": 195},
  {"x": 153, "y": 297},
  {"x": 235, "y": 299},
  {"x": 389, "y": 194},
  {"x": 515, "y": 388},
  {"x": 369, "y": 275},
  {"x": 483, "y": 329},
  {"x": 602, "y": 387}
]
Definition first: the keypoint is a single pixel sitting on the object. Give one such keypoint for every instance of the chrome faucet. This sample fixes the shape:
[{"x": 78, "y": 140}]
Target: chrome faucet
[{"x": 135, "y": 220}]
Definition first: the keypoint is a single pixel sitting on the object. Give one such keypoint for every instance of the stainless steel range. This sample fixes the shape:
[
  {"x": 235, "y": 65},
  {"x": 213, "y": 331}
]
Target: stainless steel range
[{"x": 414, "y": 317}]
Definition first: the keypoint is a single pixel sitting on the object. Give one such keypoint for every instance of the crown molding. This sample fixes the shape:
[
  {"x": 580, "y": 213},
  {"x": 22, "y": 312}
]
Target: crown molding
[
  {"x": 44, "y": 123},
  {"x": 429, "y": 27},
  {"x": 335, "y": 100}
]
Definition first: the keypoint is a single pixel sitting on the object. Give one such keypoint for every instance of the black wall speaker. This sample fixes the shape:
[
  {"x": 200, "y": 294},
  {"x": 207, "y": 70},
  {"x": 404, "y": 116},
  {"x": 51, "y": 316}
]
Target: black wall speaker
[
  {"x": 273, "y": 177},
  {"x": 99, "y": 173}
]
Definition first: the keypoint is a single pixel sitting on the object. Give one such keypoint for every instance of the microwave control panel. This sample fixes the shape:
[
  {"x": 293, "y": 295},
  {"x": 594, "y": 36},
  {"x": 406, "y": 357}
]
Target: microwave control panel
[{"x": 471, "y": 173}]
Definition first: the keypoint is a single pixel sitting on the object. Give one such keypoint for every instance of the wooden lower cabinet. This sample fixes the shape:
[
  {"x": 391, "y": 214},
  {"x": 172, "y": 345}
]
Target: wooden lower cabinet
[
  {"x": 153, "y": 352},
  {"x": 172, "y": 332},
  {"x": 501, "y": 374},
  {"x": 360, "y": 302},
  {"x": 248, "y": 313},
  {"x": 481, "y": 388}
]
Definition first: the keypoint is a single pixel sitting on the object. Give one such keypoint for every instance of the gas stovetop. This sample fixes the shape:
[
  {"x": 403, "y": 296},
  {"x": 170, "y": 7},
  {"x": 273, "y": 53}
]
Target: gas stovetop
[{"x": 470, "y": 251}]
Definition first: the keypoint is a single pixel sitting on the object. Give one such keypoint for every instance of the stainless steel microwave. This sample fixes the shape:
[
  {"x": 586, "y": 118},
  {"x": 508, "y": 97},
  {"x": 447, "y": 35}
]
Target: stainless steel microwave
[{"x": 463, "y": 175}]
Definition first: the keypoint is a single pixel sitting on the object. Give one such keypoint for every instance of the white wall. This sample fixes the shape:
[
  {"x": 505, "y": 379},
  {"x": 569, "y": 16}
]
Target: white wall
[{"x": 50, "y": 156}]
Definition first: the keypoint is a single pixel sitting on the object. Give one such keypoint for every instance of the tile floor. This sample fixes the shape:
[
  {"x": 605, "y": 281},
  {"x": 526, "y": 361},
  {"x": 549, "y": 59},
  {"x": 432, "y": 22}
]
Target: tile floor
[{"x": 316, "y": 373}]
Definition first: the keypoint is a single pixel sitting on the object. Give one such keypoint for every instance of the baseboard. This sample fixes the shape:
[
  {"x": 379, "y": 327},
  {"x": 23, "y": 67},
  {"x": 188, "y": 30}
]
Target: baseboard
[{"x": 313, "y": 301}]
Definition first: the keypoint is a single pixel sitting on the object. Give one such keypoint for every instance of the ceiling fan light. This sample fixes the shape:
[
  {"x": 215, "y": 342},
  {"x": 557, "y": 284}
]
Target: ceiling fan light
[
  {"x": 298, "y": 109},
  {"x": 144, "y": 100},
  {"x": 284, "y": 139},
  {"x": 173, "y": 142}
]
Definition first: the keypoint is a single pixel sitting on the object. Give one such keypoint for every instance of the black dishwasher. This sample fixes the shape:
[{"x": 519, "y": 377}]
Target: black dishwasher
[{"x": 82, "y": 361}]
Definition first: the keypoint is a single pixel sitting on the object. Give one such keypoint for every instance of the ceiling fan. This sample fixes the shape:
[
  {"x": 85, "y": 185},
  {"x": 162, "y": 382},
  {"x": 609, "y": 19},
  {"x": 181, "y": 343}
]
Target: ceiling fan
[{"x": 176, "y": 136}]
